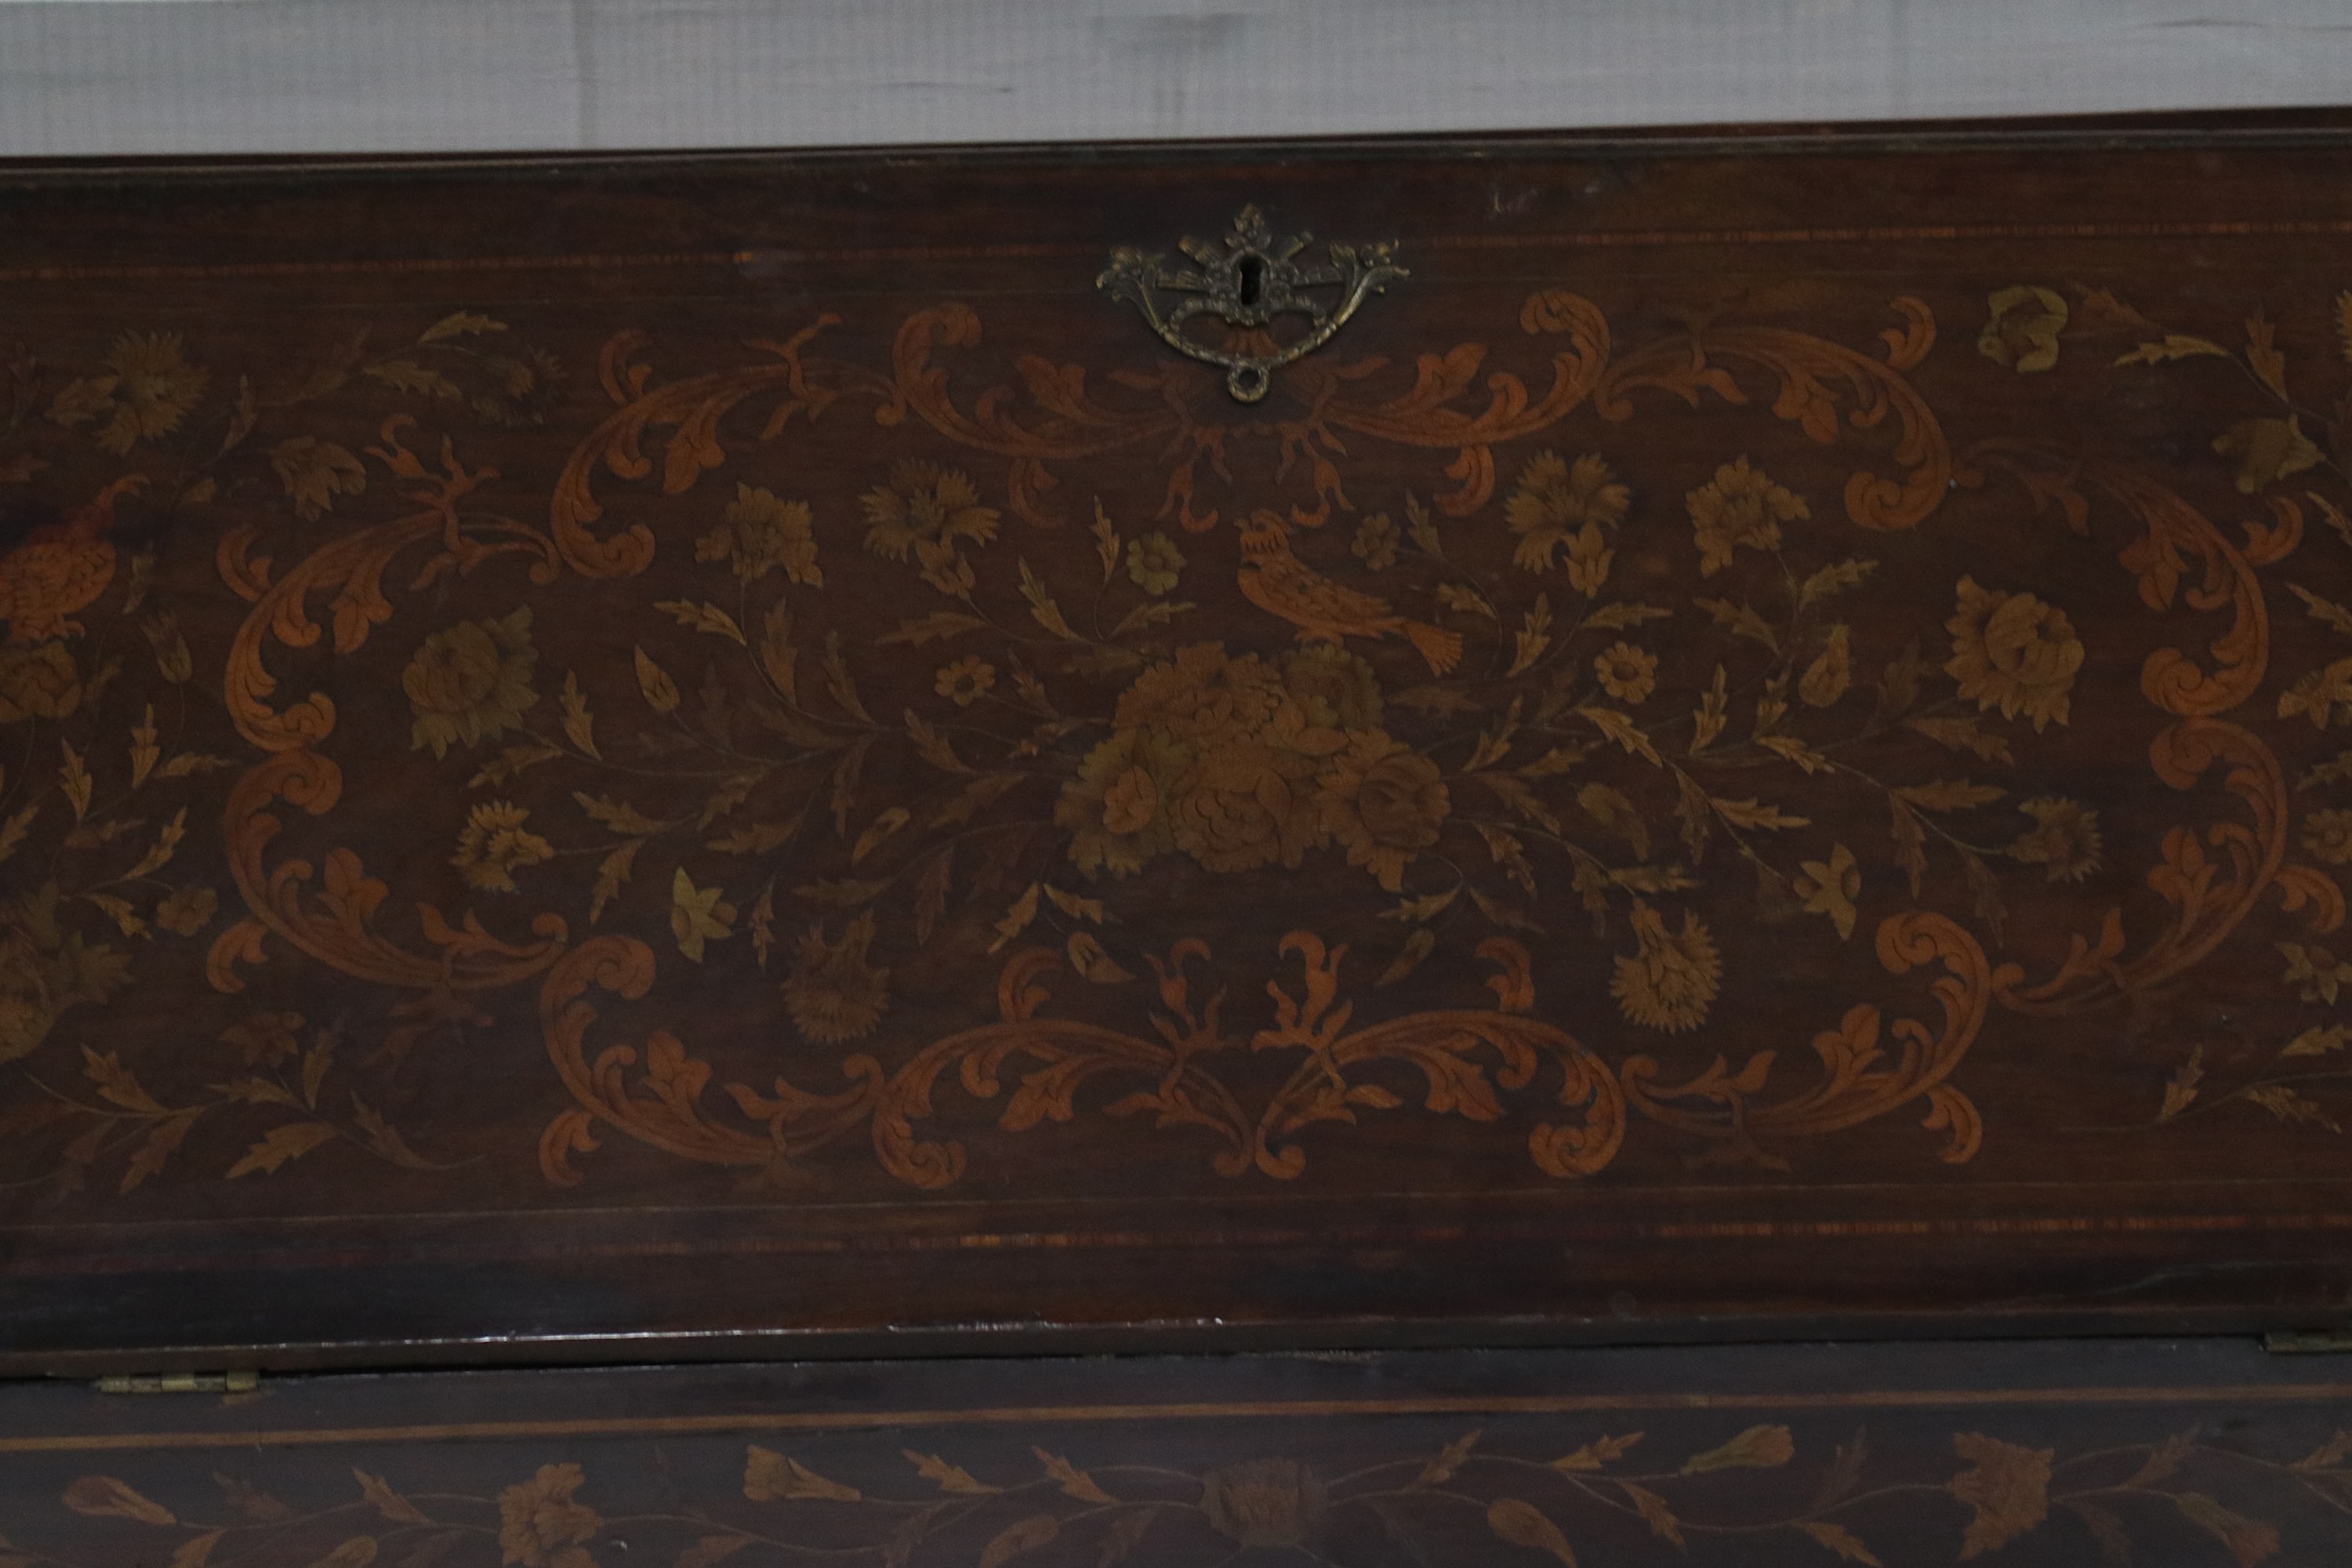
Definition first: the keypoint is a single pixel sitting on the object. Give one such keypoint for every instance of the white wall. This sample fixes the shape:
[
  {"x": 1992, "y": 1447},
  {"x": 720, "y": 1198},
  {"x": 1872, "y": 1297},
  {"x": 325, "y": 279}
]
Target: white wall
[{"x": 229, "y": 76}]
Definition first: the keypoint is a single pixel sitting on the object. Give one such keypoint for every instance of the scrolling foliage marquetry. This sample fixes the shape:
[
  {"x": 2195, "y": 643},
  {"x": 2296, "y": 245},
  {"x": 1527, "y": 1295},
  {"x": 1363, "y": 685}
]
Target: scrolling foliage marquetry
[
  {"x": 1711, "y": 1490},
  {"x": 1462, "y": 708}
]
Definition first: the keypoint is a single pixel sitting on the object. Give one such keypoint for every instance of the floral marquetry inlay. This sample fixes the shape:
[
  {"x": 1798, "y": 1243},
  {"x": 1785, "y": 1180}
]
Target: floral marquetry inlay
[{"x": 1575, "y": 752}]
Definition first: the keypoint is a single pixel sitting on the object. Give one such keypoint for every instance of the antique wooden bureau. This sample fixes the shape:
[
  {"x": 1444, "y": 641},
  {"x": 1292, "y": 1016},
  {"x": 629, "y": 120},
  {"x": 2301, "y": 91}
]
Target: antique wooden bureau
[{"x": 1186, "y": 857}]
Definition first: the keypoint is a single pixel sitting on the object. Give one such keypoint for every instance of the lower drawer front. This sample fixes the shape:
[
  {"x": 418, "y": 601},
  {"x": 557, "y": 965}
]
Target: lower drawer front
[{"x": 2154, "y": 1453}]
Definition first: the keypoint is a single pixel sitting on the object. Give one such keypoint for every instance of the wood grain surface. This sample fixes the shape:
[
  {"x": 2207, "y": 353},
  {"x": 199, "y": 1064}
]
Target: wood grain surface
[{"x": 732, "y": 751}]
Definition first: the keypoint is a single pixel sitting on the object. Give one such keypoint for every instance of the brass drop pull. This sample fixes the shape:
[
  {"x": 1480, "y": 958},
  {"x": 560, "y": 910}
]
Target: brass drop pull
[{"x": 1248, "y": 283}]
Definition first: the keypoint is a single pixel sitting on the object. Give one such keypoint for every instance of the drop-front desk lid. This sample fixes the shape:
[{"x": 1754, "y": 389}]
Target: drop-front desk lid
[{"x": 1213, "y": 747}]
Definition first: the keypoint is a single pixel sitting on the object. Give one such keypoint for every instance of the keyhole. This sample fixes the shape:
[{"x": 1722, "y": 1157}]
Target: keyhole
[{"x": 1252, "y": 270}]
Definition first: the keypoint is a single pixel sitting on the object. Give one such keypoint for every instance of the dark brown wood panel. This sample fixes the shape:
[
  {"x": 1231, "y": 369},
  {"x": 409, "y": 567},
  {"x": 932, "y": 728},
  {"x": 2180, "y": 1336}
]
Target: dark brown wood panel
[
  {"x": 718, "y": 749},
  {"x": 2167, "y": 1455}
]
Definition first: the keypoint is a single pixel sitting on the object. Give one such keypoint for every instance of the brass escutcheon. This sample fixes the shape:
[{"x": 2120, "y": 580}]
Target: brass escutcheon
[{"x": 1247, "y": 281}]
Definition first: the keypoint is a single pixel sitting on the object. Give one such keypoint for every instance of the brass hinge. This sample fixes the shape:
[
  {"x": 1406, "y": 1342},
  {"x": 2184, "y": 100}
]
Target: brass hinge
[
  {"x": 2309, "y": 1341},
  {"x": 183, "y": 1382}
]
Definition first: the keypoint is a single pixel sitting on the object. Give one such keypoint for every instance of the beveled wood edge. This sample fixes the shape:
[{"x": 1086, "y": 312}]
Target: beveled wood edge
[{"x": 2231, "y": 129}]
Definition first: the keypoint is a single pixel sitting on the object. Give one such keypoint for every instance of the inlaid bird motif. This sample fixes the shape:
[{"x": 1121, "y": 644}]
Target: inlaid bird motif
[
  {"x": 1274, "y": 580},
  {"x": 61, "y": 567}
]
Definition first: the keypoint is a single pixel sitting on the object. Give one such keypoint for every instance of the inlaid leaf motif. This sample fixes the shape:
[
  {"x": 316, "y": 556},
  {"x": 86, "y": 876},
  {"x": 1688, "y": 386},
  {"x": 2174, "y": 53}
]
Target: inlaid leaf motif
[
  {"x": 144, "y": 753},
  {"x": 839, "y": 684},
  {"x": 1017, "y": 916},
  {"x": 612, "y": 874},
  {"x": 1090, "y": 959},
  {"x": 1467, "y": 599},
  {"x": 1839, "y": 1540},
  {"x": 1076, "y": 905},
  {"x": 1440, "y": 1471},
  {"x": 705, "y": 616},
  {"x": 764, "y": 923},
  {"x": 14, "y": 830},
  {"x": 2326, "y": 610},
  {"x": 511, "y": 763},
  {"x": 1494, "y": 744},
  {"x": 1950, "y": 794},
  {"x": 948, "y": 1477},
  {"x": 184, "y": 764},
  {"x": 315, "y": 472},
  {"x": 1126, "y": 1533},
  {"x": 1759, "y": 1448},
  {"x": 105, "y": 1497},
  {"x": 845, "y": 893},
  {"x": 388, "y": 1502},
  {"x": 2164, "y": 1462},
  {"x": 167, "y": 840},
  {"x": 617, "y": 815},
  {"x": 2262, "y": 353},
  {"x": 1796, "y": 750},
  {"x": 357, "y": 1552},
  {"x": 2250, "y": 1541},
  {"x": 126, "y": 919},
  {"x": 290, "y": 1141},
  {"x": 117, "y": 1084},
  {"x": 1417, "y": 947},
  {"x": 408, "y": 375},
  {"x": 74, "y": 779},
  {"x": 157, "y": 1149},
  {"x": 193, "y": 1552},
  {"x": 2172, "y": 346},
  {"x": 1042, "y": 606},
  {"x": 2107, "y": 1529},
  {"x": 770, "y": 1476},
  {"x": 1421, "y": 527},
  {"x": 938, "y": 625},
  {"x": 1074, "y": 1481},
  {"x": 2006, "y": 1484},
  {"x": 660, "y": 691},
  {"x": 1620, "y": 616},
  {"x": 1534, "y": 637},
  {"x": 460, "y": 325},
  {"x": 1832, "y": 672},
  {"x": 1832, "y": 580},
  {"x": 1984, "y": 894},
  {"x": 757, "y": 838},
  {"x": 2329, "y": 1454},
  {"x": 1422, "y": 908},
  {"x": 1515, "y": 794},
  {"x": 2266, "y": 451},
  {"x": 1155, "y": 613},
  {"x": 1655, "y": 1513},
  {"x": 2288, "y": 1105},
  {"x": 698, "y": 915},
  {"x": 1609, "y": 807},
  {"x": 1598, "y": 1453},
  {"x": 1107, "y": 542},
  {"x": 932, "y": 885},
  {"x": 1510, "y": 854},
  {"x": 1741, "y": 620},
  {"x": 1754, "y": 814},
  {"x": 1963, "y": 735},
  {"x": 1023, "y": 1535},
  {"x": 932, "y": 746},
  {"x": 1524, "y": 1524},
  {"x": 878, "y": 832},
  {"x": 1828, "y": 887},
  {"x": 1714, "y": 709},
  {"x": 1620, "y": 729}
]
